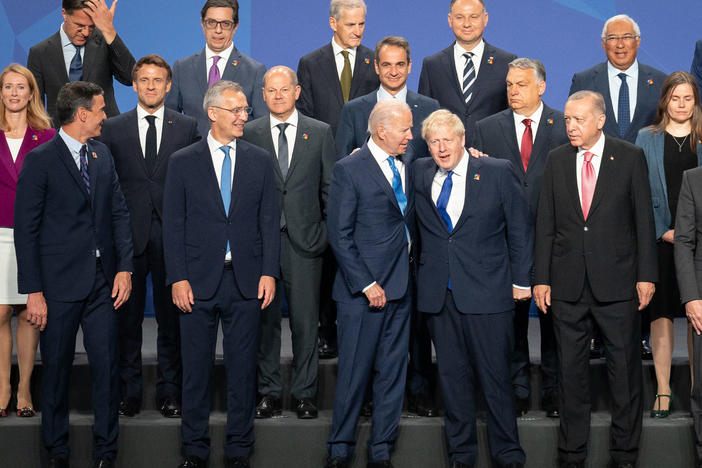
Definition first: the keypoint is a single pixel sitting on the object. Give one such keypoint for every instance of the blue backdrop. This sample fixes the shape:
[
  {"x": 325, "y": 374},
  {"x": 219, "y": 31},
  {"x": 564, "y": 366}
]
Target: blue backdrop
[{"x": 564, "y": 34}]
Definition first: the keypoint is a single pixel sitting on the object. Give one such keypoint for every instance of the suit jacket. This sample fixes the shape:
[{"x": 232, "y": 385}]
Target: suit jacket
[
  {"x": 321, "y": 96},
  {"x": 489, "y": 249},
  {"x": 497, "y": 137},
  {"x": 438, "y": 80},
  {"x": 59, "y": 225},
  {"x": 10, "y": 169},
  {"x": 647, "y": 96},
  {"x": 196, "y": 229},
  {"x": 696, "y": 67},
  {"x": 353, "y": 124},
  {"x": 143, "y": 190},
  {"x": 688, "y": 226},
  {"x": 615, "y": 247},
  {"x": 303, "y": 193},
  {"x": 101, "y": 61},
  {"x": 190, "y": 84},
  {"x": 367, "y": 229}
]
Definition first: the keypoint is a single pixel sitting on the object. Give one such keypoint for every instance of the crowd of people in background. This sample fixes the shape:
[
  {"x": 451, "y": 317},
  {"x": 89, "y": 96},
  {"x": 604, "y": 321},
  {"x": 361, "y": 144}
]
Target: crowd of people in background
[{"x": 382, "y": 219}]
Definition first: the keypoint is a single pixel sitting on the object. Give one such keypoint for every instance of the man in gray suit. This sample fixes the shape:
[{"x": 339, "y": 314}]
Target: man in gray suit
[
  {"x": 304, "y": 156},
  {"x": 219, "y": 60}
]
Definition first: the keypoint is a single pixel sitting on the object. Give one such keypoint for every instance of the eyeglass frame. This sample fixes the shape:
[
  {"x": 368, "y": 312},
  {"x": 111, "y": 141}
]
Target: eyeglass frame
[
  {"x": 626, "y": 38},
  {"x": 237, "y": 110},
  {"x": 211, "y": 23}
]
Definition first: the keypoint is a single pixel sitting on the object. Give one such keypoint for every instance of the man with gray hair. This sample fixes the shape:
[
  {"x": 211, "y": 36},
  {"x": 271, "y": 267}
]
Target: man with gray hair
[
  {"x": 595, "y": 262},
  {"x": 221, "y": 237},
  {"x": 524, "y": 134},
  {"x": 370, "y": 221}
]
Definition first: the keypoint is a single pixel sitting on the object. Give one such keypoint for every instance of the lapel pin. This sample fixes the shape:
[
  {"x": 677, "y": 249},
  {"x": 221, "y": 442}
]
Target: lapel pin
[
  {"x": 94, "y": 155},
  {"x": 305, "y": 136},
  {"x": 476, "y": 176},
  {"x": 235, "y": 63},
  {"x": 549, "y": 121},
  {"x": 35, "y": 138},
  {"x": 170, "y": 122},
  {"x": 366, "y": 60},
  {"x": 491, "y": 60},
  {"x": 611, "y": 158},
  {"x": 650, "y": 81}
]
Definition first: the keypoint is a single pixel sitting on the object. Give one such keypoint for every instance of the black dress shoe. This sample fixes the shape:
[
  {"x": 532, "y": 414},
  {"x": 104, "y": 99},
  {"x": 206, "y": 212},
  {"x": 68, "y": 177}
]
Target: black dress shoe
[
  {"x": 367, "y": 409},
  {"x": 457, "y": 464},
  {"x": 327, "y": 349},
  {"x": 58, "y": 463},
  {"x": 193, "y": 462},
  {"x": 379, "y": 464},
  {"x": 103, "y": 463},
  {"x": 336, "y": 463},
  {"x": 521, "y": 406},
  {"x": 129, "y": 407},
  {"x": 550, "y": 404},
  {"x": 306, "y": 409},
  {"x": 170, "y": 408},
  {"x": 422, "y": 405},
  {"x": 646, "y": 351},
  {"x": 269, "y": 406},
  {"x": 236, "y": 462}
]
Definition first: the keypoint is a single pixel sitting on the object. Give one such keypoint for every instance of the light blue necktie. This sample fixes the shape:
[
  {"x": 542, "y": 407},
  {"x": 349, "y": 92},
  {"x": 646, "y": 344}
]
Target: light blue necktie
[
  {"x": 397, "y": 185},
  {"x": 623, "y": 118},
  {"x": 226, "y": 184}
]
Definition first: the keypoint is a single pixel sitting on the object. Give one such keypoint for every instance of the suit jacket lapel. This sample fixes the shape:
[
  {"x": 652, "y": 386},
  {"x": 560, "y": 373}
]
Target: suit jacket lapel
[
  {"x": 450, "y": 66},
  {"x": 93, "y": 158},
  {"x": 357, "y": 71},
  {"x": 168, "y": 133},
  {"x": 571, "y": 179},
  {"x": 6, "y": 157},
  {"x": 375, "y": 173},
  {"x": 265, "y": 129},
  {"x": 91, "y": 51},
  {"x": 601, "y": 82},
  {"x": 606, "y": 176},
  {"x": 428, "y": 181},
  {"x": 301, "y": 145},
  {"x": 56, "y": 58},
  {"x": 543, "y": 135},
  {"x": 644, "y": 93},
  {"x": 209, "y": 175},
  {"x": 472, "y": 189},
  {"x": 64, "y": 154},
  {"x": 132, "y": 135},
  {"x": 510, "y": 134},
  {"x": 199, "y": 71},
  {"x": 242, "y": 177},
  {"x": 327, "y": 67}
]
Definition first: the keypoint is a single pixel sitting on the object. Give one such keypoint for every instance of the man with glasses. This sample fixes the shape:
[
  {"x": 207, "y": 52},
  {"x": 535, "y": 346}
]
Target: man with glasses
[
  {"x": 219, "y": 60},
  {"x": 79, "y": 52},
  {"x": 221, "y": 239}
]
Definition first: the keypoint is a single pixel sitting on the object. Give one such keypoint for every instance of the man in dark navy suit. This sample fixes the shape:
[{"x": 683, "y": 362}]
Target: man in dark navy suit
[
  {"x": 476, "y": 240},
  {"x": 221, "y": 239},
  {"x": 74, "y": 255},
  {"x": 524, "y": 134},
  {"x": 468, "y": 77},
  {"x": 370, "y": 223},
  {"x": 141, "y": 141}
]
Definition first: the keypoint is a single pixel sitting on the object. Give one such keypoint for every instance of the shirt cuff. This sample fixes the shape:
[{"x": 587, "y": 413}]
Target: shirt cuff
[
  {"x": 368, "y": 287},
  {"x": 521, "y": 287}
]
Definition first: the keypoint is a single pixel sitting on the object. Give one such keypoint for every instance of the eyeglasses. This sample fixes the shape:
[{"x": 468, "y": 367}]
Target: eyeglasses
[
  {"x": 237, "y": 110},
  {"x": 213, "y": 23},
  {"x": 626, "y": 38},
  {"x": 90, "y": 28}
]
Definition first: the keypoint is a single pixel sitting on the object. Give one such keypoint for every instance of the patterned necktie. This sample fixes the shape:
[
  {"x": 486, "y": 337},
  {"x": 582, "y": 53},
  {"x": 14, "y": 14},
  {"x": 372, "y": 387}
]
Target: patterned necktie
[
  {"x": 442, "y": 201},
  {"x": 623, "y": 118},
  {"x": 397, "y": 185},
  {"x": 75, "y": 69},
  {"x": 468, "y": 77},
  {"x": 527, "y": 143},
  {"x": 150, "y": 150},
  {"x": 283, "y": 149},
  {"x": 588, "y": 181},
  {"x": 345, "y": 78},
  {"x": 225, "y": 186},
  {"x": 214, "y": 76},
  {"x": 84, "y": 167}
]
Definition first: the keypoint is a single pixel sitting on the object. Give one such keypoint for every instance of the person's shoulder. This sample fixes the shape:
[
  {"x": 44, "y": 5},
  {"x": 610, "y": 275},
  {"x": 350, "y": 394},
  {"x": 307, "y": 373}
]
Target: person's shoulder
[
  {"x": 42, "y": 45},
  {"x": 245, "y": 60},
  {"x": 171, "y": 116},
  {"x": 651, "y": 71},
  {"x": 492, "y": 120},
  {"x": 422, "y": 101},
  {"x": 497, "y": 52},
  {"x": 187, "y": 59},
  {"x": 313, "y": 55},
  {"x": 430, "y": 59},
  {"x": 365, "y": 52},
  {"x": 315, "y": 124},
  {"x": 588, "y": 72}
]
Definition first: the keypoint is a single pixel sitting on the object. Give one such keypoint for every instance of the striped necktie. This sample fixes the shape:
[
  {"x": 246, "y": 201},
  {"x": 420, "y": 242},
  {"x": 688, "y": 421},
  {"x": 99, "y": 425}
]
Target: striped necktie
[{"x": 468, "y": 77}]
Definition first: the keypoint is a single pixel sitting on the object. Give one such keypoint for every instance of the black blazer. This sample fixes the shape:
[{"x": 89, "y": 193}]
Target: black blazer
[
  {"x": 321, "y": 96},
  {"x": 142, "y": 190},
  {"x": 496, "y": 137},
  {"x": 615, "y": 247},
  {"x": 438, "y": 80},
  {"x": 688, "y": 236},
  {"x": 58, "y": 225},
  {"x": 100, "y": 63},
  {"x": 196, "y": 228},
  {"x": 647, "y": 96},
  {"x": 303, "y": 194}
]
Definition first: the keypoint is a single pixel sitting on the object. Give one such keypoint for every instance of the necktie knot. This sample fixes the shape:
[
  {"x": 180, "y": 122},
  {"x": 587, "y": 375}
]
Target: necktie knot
[
  {"x": 75, "y": 68},
  {"x": 468, "y": 56},
  {"x": 588, "y": 156},
  {"x": 282, "y": 126},
  {"x": 214, "y": 76},
  {"x": 527, "y": 123},
  {"x": 345, "y": 53},
  {"x": 225, "y": 149},
  {"x": 151, "y": 120},
  {"x": 397, "y": 185},
  {"x": 215, "y": 59},
  {"x": 622, "y": 76}
]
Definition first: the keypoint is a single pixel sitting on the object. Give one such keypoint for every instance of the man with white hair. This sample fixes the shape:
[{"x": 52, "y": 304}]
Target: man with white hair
[{"x": 370, "y": 223}]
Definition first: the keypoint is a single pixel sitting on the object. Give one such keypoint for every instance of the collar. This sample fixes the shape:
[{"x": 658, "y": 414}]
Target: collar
[
  {"x": 65, "y": 41},
  {"x": 73, "y": 144},
  {"x": 461, "y": 168},
  {"x": 535, "y": 117},
  {"x": 478, "y": 50},
  {"x": 597, "y": 149},
  {"x": 384, "y": 94},
  {"x": 378, "y": 153},
  {"x": 337, "y": 50},
  {"x": 142, "y": 113},
  {"x": 225, "y": 54},
  {"x": 292, "y": 120},
  {"x": 214, "y": 145},
  {"x": 613, "y": 71}
]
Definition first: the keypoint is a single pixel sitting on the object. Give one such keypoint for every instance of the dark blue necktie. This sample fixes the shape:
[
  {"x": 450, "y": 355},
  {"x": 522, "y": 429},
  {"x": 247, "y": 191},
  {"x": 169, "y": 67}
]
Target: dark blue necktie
[
  {"x": 468, "y": 77},
  {"x": 442, "y": 201},
  {"x": 225, "y": 186},
  {"x": 397, "y": 185},
  {"x": 75, "y": 69},
  {"x": 623, "y": 118},
  {"x": 84, "y": 167}
]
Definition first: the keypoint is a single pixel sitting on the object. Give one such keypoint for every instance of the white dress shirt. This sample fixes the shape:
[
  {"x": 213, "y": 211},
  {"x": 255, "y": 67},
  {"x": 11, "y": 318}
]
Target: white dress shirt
[
  {"x": 615, "y": 83},
  {"x": 221, "y": 64},
  {"x": 290, "y": 133},
  {"x": 339, "y": 59},
  {"x": 217, "y": 159},
  {"x": 454, "y": 208},
  {"x": 143, "y": 125},
  {"x": 69, "y": 50},
  {"x": 460, "y": 60},
  {"x": 597, "y": 150},
  {"x": 383, "y": 93},
  {"x": 521, "y": 128},
  {"x": 14, "y": 144}
]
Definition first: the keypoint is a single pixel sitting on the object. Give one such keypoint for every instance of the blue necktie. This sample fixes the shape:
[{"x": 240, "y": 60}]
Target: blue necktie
[
  {"x": 397, "y": 185},
  {"x": 75, "y": 68},
  {"x": 623, "y": 118},
  {"x": 84, "y": 167},
  {"x": 226, "y": 183},
  {"x": 442, "y": 201},
  {"x": 468, "y": 77}
]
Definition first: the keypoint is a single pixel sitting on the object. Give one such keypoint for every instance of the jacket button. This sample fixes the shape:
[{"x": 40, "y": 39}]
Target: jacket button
[{"x": 585, "y": 229}]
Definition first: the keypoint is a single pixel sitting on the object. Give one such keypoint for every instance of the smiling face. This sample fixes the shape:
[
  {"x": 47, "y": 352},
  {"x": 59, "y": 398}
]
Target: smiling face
[
  {"x": 151, "y": 85},
  {"x": 15, "y": 92},
  {"x": 94, "y": 117},
  {"x": 229, "y": 117},
  {"x": 446, "y": 147},
  {"x": 392, "y": 66},
  {"x": 78, "y": 26},
  {"x": 621, "y": 44},
  {"x": 583, "y": 122},
  {"x": 523, "y": 91},
  {"x": 348, "y": 29},
  {"x": 217, "y": 38},
  {"x": 681, "y": 103},
  {"x": 468, "y": 19}
]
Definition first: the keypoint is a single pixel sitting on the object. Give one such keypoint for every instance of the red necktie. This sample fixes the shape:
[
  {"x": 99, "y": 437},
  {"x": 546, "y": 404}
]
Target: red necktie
[
  {"x": 527, "y": 143},
  {"x": 588, "y": 181}
]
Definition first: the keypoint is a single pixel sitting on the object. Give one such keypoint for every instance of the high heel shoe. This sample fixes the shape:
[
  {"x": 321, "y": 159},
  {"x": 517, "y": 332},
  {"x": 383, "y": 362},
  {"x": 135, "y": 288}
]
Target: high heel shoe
[
  {"x": 659, "y": 413},
  {"x": 26, "y": 412}
]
